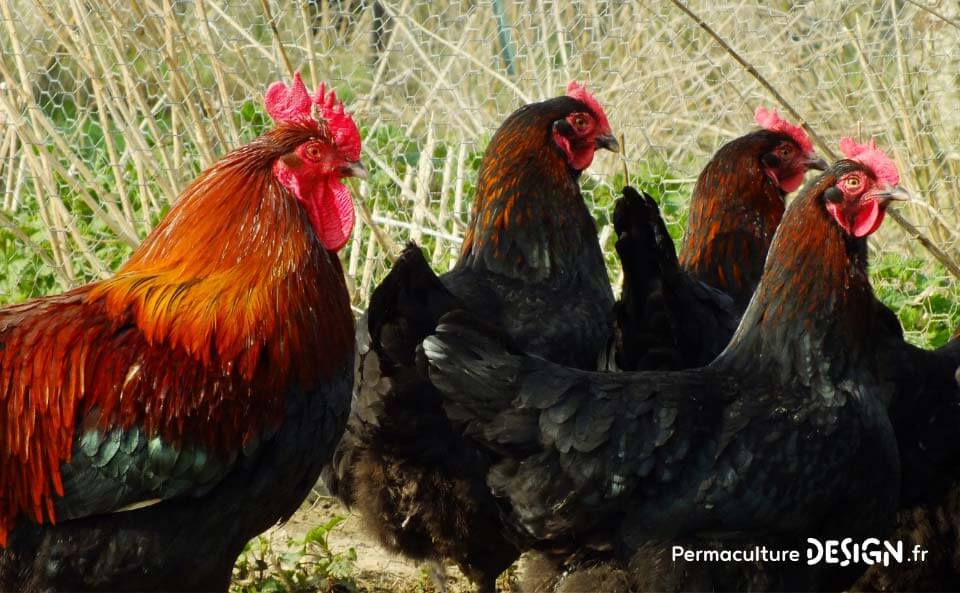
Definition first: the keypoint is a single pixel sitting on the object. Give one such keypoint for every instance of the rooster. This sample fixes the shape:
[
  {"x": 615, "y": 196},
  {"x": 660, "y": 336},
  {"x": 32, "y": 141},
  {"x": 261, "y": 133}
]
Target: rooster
[
  {"x": 785, "y": 434},
  {"x": 531, "y": 263},
  {"x": 680, "y": 313},
  {"x": 152, "y": 423}
]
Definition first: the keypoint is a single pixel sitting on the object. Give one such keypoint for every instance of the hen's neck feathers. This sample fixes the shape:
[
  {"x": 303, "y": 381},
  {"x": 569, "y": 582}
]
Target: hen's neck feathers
[
  {"x": 810, "y": 317},
  {"x": 529, "y": 220},
  {"x": 235, "y": 275},
  {"x": 734, "y": 211}
]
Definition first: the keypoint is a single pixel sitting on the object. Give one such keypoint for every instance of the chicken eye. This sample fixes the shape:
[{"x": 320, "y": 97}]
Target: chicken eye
[
  {"x": 312, "y": 152},
  {"x": 579, "y": 122},
  {"x": 852, "y": 182},
  {"x": 786, "y": 152}
]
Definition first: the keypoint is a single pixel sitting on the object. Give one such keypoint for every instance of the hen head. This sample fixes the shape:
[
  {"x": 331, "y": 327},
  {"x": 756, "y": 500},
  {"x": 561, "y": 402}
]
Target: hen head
[
  {"x": 313, "y": 170},
  {"x": 867, "y": 183},
  {"x": 792, "y": 154},
  {"x": 580, "y": 133}
]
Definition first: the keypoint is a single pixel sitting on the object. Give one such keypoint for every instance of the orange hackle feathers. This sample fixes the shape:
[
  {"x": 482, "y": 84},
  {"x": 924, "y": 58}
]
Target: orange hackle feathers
[
  {"x": 524, "y": 188},
  {"x": 810, "y": 233},
  {"x": 226, "y": 307},
  {"x": 219, "y": 302},
  {"x": 734, "y": 213}
]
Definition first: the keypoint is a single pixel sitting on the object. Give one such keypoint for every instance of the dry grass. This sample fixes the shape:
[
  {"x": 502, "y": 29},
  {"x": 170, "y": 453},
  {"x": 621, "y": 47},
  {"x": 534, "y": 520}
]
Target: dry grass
[{"x": 111, "y": 107}]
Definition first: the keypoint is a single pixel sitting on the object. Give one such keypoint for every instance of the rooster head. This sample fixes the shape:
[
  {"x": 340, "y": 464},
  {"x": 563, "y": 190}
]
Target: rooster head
[
  {"x": 867, "y": 183},
  {"x": 580, "y": 133},
  {"x": 790, "y": 158},
  {"x": 313, "y": 171}
]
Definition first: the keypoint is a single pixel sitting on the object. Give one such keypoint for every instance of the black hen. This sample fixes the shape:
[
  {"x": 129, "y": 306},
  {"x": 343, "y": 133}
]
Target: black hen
[
  {"x": 738, "y": 202},
  {"x": 531, "y": 263}
]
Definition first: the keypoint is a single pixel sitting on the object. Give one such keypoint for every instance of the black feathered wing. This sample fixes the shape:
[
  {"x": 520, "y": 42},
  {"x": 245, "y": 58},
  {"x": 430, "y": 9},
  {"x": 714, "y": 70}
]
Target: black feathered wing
[
  {"x": 404, "y": 309},
  {"x": 665, "y": 319},
  {"x": 575, "y": 445}
]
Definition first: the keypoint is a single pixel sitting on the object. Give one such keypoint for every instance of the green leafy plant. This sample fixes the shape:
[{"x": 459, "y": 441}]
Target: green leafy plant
[
  {"x": 307, "y": 564},
  {"x": 924, "y": 297}
]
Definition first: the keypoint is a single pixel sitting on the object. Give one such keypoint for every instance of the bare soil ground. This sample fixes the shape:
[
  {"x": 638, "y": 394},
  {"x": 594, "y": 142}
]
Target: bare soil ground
[{"x": 378, "y": 571}]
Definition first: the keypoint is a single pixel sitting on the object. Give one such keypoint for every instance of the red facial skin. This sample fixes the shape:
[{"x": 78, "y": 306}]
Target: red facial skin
[
  {"x": 792, "y": 165},
  {"x": 313, "y": 174},
  {"x": 314, "y": 170},
  {"x": 858, "y": 209},
  {"x": 579, "y": 144}
]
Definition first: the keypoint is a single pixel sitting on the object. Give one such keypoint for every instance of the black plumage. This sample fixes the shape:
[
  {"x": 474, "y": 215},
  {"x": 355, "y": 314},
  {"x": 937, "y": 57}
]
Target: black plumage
[
  {"x": 531, "y": 263},
  {"x": 665, "y": 319},
  {"x": 925, "y": 415},
  {"x": 785, "y": 435},
  {"x": 681, "y": 311},
  {"x": 187, "y": 543}
]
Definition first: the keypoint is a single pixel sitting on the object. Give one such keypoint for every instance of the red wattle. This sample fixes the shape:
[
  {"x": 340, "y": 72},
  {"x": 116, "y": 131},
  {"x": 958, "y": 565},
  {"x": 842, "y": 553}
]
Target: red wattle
[
  {"x": 578, "y": 161},
  {"x": 581, "y": 160},
  {"x": 868, "y": 218},
  {"x": 331, "y": 213},
  {"x": 793, "y": 182},
  {"x": 866, "y": 221},
  {"x": 329, "y": 206}
]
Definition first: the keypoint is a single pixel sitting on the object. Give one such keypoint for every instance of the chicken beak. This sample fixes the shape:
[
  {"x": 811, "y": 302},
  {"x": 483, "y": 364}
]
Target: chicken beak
[
  {"x": 608, "y": 141},
  {"x": 893, "y": 194},
  {"x": 814, "y": 162},
  {"x": 354, "y": 169}
]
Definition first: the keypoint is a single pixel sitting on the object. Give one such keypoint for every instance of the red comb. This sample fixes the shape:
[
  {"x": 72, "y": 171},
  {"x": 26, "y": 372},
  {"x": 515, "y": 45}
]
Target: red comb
[
  {"x": 580, "y": 93},
  {"x": 771, "y": 120},
  {"x": 344, "y": 129},
  {"x": 868, "y": 154},
  {"x": 295, "y": 104},
  {"x": 288, "y": 104}
]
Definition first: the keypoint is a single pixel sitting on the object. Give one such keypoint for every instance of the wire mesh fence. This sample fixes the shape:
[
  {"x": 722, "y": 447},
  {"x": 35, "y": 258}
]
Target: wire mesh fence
[{"x": 109, "y": 108}]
